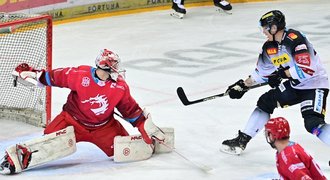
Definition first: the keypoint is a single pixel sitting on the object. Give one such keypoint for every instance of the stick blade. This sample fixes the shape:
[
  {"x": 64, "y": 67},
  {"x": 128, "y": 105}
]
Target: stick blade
[{"x": 182, "y": 96}]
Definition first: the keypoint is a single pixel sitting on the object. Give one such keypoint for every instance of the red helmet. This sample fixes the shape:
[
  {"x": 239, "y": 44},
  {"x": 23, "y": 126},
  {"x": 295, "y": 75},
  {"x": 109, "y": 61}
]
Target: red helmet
[
  {"x": 108, "y": 61},
  {"x": 278, "y": 127}
]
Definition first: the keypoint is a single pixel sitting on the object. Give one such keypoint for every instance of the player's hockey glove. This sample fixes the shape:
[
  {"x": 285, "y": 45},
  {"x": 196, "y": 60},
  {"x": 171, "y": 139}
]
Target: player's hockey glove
[
  {"x": 277, "y": 76},
  {"x": 148, "y": 129},
  {"x": 237, "y": 90},
  {"x": 28, "y": 74}
]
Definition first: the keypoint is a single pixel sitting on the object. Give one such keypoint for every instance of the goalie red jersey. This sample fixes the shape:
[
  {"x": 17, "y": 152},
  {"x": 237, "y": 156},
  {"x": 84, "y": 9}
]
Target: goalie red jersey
[
  {"x": 91, "y": 100},
  {"x": 87, "y": 116},
  {"x": 294, "y": 163}
]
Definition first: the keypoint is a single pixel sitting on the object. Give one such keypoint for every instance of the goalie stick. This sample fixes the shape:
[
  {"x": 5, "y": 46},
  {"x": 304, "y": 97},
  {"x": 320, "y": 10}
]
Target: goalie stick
[{"x": 186, "y": 102}]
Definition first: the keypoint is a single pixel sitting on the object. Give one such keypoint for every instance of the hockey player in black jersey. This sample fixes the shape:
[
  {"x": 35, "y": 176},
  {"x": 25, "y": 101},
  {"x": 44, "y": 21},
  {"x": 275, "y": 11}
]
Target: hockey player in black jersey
[
  {"x": 180, "y": 10},
  {"x": 292, "y": 67},
  {"x": 223, "y": 4}
]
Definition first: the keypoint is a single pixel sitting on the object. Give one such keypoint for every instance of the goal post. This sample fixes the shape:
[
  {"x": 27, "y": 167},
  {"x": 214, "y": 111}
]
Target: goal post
[{"x": 25, "y": 38}]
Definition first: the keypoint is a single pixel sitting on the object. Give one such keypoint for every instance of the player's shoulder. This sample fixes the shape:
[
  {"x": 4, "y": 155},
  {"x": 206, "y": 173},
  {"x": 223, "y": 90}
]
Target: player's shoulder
[
  {"x": 84, "y": 68},
  {"x": 293, "y": 36},
  {"x": 292, "y": 149},
  {"x": 270, "y": 47},
  {"x": 122, "y": 82}
]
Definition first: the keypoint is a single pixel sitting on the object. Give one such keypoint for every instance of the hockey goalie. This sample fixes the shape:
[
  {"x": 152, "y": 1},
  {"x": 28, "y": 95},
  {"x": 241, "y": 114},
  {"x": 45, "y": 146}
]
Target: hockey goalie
[{"x": 88, "y": 115}]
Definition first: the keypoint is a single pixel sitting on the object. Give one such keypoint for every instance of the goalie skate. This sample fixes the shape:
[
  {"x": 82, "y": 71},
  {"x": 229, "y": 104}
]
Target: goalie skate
[{"x": 7, "y": 166}]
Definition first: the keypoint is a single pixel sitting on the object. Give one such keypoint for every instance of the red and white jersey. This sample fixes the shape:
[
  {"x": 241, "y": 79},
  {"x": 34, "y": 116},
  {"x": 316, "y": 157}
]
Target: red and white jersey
[
  {"x": 294, "y": 163},
  {"x": 296, "y": 54},
  {"x": 92, "y": 101}
]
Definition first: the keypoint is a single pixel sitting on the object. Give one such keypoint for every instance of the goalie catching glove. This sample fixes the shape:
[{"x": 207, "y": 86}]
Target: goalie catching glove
[
  {"x": 237, "y": 90},
  {"x": 27, "y": 75},
  {"x": 148, "y": 129}
]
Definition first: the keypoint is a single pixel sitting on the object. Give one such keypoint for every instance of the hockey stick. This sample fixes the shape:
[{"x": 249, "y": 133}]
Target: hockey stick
[
  {"x": 199, "y": 166},
  {"x": 186, "y": 102}
]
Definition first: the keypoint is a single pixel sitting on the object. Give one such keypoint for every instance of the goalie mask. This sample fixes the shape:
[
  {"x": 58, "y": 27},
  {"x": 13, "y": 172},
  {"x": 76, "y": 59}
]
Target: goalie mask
[
  {"x": 110, "y": 62},
  {"x": 277, "y": 129}
]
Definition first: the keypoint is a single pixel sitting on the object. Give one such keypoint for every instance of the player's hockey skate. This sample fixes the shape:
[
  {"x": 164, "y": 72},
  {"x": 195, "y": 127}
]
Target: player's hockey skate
[
  {"x": 237, "y": 145},
  {"x": 223, "y": 6},
  {"x": 179, "y": 11},
  {"x": 7, "y": 166}
]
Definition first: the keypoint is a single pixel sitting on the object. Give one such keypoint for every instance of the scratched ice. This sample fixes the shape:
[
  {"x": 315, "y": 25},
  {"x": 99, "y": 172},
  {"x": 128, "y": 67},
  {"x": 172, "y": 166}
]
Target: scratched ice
[{"x": 203, "y": 53}]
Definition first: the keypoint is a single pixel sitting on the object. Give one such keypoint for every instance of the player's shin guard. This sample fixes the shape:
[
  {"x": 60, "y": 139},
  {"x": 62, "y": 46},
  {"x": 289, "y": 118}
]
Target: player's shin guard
[
  {"x": 38, "y": 151},
  {"x": 256, "y": 122}
]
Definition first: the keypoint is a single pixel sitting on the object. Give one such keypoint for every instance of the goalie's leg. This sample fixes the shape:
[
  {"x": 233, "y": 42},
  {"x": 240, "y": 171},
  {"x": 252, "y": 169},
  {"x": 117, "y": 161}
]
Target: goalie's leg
[
  {"x": 134, "y": 148},
  {"x": 38, "y": 151}
]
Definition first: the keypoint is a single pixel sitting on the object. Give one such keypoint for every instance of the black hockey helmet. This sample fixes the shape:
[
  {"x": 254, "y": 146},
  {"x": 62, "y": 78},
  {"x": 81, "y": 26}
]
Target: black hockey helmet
[{"x": 274, "y": 17}]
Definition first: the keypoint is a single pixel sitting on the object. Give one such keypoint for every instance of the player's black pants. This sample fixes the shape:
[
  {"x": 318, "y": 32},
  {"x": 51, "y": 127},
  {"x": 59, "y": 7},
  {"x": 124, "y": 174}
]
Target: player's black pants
[{"x": 312, "y": 102}]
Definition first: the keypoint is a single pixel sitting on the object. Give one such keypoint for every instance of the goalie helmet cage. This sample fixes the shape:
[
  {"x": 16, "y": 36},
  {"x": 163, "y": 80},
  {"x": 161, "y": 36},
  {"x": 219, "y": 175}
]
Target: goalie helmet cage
[{"x": 25, "y": 38}]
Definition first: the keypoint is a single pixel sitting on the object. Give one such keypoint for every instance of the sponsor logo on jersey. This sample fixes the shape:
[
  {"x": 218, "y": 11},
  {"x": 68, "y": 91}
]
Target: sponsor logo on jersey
[
  {"x": 300, "y": 47},
  {"x": 293, "y": 36},
  {"x": 279, "y": 60},
  {"x": 271, "y": 51},
  {"x": 296, "y": 166},
  {"x": 85, "y": 81},
  {"x": 303, "y": 59},
  {"x": 101, "y": 101},
  {"x": 115, "y": 85}
]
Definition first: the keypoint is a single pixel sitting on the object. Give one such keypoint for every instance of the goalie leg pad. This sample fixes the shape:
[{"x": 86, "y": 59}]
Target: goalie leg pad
[
  {"x": 134, "y": 148},
  {"x": 131, "y": 148},
  {"x": 50, "y": 147},
  {"x": 168, "y": 144}
]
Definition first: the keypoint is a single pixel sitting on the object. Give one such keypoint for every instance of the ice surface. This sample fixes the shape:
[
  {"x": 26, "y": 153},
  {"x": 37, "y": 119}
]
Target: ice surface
[{"x": 203, "y": 53}]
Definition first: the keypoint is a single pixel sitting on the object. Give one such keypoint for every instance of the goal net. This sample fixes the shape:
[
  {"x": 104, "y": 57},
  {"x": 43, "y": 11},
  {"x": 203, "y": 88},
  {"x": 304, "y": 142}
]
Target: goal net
[{"x": 25, "y": 38}]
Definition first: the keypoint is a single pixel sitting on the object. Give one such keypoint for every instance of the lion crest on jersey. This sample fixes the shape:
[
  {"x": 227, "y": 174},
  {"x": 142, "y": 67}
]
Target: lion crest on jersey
[{"x": 102, "y": 102}]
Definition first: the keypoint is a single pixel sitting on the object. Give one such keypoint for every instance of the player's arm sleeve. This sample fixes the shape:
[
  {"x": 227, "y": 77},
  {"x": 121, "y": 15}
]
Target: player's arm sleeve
[
  {"x": 304, "y": 67},
  {"x": 263, "y": 69},
  {"x": 61, "y": 77},
  {"x": 129, "y": 108}
]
